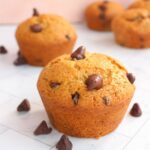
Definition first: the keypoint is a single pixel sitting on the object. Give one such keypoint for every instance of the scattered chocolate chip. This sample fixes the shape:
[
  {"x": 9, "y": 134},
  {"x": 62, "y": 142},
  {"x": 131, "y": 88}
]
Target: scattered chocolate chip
[
  {"x": 136, "y": 110},
  {"x": 75, "y": 97},
  {"x": 67, "y": 37},
  {"x": 24, "y": 106},
  {"x": 54, "y": 84},
  {"x": 42, "y": 129},
  {"x": 18, "y": 53},
  {"x": 131, "y": 77},
  {"x": 106, "y": 100},
  {"x": 35, "y": 12},
  {"x": 94, "y": 81},
  {"x": 64, "y": 143},
  {"x": 20, "y": 60},
  {"x": 79, "y": 53},
  {"x": 102, "y": 7},
  {"x": 36, "y": 28},
  {"x": 3, "y": 50}
]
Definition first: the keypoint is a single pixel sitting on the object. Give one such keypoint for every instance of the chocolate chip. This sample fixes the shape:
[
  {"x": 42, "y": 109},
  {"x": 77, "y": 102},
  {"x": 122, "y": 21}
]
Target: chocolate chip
[
  {"x": 102, "y": 7},
  {"x": 36, "y": 28},
  {"x": 54, "y": 84},
  {"x": 64, "y": 143},
  {"x": 131, "y": 77},
  {"x": 68, "y": 37},
  {"x": 106, "y": 100},
  {"x": 79, "y": 53},
  {"x": 136, "y": 110},
  {"x": 94, "y": 81},
  {"x": 75, "y": 97},
  {"x": 35, "y": 12},
  {"x": 20, "y": 60},
  {"x": 24, "y": 106},
  {"x": 18, "y": 53},
  {"x": 42, "y": 129},
  {"x": 3, "y": 50}
]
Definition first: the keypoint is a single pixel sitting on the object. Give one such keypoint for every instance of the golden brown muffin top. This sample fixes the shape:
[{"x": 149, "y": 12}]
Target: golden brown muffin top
[
  {"x": 46, "y": 28},
  {"x": 137, "y": 20},
  {"x": 64, "y": 82},
  {"x": 106, "y": 8},
  {"x": 145, "y": 4}
]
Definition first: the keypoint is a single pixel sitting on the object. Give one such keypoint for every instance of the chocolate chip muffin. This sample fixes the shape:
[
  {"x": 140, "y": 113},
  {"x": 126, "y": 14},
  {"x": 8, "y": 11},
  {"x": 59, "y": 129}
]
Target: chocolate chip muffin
[
  {"x": 44, "y": 37},
  {"x": 85, "y": 94},
  {"x": 144, "y": 4},
  {"x": 131, "y": 29},
  {"x": 99, "y": 15}
]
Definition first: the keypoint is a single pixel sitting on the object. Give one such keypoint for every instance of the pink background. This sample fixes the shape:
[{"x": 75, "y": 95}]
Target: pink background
[{"x": 14, "y": 11}]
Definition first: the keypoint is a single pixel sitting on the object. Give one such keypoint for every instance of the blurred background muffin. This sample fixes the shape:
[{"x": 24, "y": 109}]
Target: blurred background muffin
[{"x": 44, "y": 37}]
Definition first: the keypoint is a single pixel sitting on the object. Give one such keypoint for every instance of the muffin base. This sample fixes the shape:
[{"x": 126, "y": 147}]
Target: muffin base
[
  {"x": 39, "y": 55},
  {"x": 86, "y": 123}
]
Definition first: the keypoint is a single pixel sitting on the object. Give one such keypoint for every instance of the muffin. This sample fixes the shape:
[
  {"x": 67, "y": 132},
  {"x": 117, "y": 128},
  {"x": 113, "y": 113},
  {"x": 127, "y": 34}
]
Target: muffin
[
  {"x": 99, "y": 15},
  {"x": 85, "y": 94},
  {"x": 44, "y": 37},
  {"x": 132, "y": 28},
  {"x": 144, "y": 4}
]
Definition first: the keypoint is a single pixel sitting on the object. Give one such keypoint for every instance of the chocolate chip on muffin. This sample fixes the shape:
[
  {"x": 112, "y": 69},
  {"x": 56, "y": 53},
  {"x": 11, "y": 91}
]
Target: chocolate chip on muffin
[
  {"x": 79, "y": 53},
  {"x": 54, "y": 85},
  {"x": 36, "y": 28},
  {"x": 3, "y": 50},
  {"x": 35, "y": 12},
  {"x": 42, "y": 129},
  {"x": 106, "y": 100},
  {"x": 24, "y": 106},
  {"x": 75, "y": 97},
  {"x": 64, "y": 143},
  {"x": 102, "y": 7},
  {"x": 67, "y": 37},
  {"x": 136, "y": 110},
  {"x": 94, "y": 81},
  {"x": 131, "y": 77}
]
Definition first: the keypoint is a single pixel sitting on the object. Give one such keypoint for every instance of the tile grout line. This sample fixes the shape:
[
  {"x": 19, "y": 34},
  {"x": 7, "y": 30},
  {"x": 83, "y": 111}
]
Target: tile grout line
[{"x": 140, "y": 128}]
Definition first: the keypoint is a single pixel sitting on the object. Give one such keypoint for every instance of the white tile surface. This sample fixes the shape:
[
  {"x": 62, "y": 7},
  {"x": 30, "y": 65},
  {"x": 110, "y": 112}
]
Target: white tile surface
[
  {"x": 17, "y": 83},
  {"x": 141, "y": 141},
  {"x": 104, "y": 143},
  {"x": 24, "y": 122},
  {"x": 3, "y": 129},
  {"x": 12, "y": 140},
  {"x": 5, "y": 97}
]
